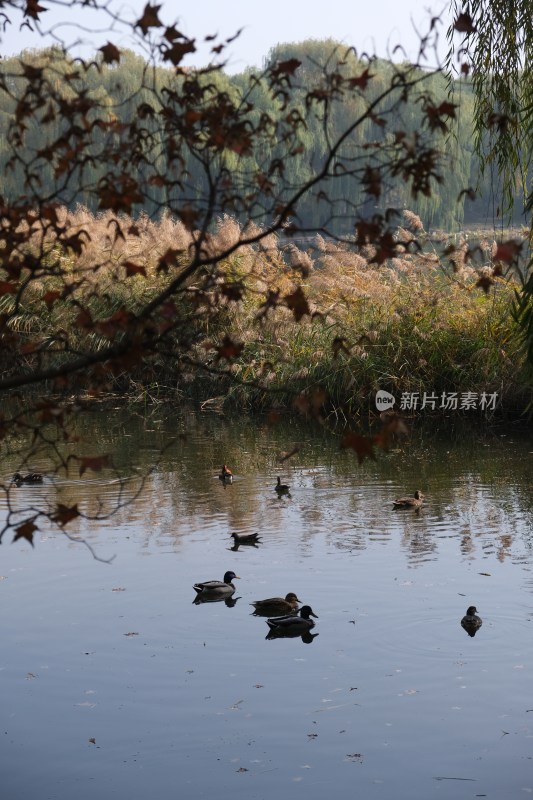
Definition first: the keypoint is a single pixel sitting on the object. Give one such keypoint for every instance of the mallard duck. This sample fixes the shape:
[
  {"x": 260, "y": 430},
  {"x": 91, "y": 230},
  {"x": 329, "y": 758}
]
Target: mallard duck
[
  {"x": 245, "y": 538},
  {"x": 293, "y": 623},
  {"x": 31, "y": 477},
  {"x": 282, "y": 488},
  {"x": 226, "y": 474},
  {"x": 471, "y": 622},
  {"x": 276, "y": 605},
  {"x": 220, "y": 589},
  {"x": 409, "y": 502}
]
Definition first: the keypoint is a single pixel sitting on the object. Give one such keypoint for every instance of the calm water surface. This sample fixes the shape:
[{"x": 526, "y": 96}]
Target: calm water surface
[{"x": 115, "y": 685}]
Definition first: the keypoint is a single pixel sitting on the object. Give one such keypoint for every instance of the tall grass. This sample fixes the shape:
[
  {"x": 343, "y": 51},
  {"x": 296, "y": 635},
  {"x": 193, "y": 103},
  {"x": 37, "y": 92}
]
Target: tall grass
[{"x": 415, "y": 323}]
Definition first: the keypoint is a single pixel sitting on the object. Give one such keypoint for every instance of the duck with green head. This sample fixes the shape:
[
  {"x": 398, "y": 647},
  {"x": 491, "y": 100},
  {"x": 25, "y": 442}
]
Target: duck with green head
[
  {"x": 293, "y": 623},
  {"x": 216, "y": 589}
]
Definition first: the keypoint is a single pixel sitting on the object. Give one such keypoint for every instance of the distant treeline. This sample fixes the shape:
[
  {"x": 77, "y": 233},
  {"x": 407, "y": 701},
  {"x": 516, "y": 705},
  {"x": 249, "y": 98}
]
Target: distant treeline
[{"x": 133, "y": 89}]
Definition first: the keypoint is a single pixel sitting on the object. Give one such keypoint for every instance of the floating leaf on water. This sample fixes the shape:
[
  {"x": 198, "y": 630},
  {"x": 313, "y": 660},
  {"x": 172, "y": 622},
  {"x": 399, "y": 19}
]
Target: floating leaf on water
[
  {"x": 488, "y": 574},
  {"x": 242, "y": 769},
  {"x": 30, "y": 676},
  {"x": 131, "y": 633},
  {"x": 92, "y": 740},
  {"x": 118, "y": 589}
]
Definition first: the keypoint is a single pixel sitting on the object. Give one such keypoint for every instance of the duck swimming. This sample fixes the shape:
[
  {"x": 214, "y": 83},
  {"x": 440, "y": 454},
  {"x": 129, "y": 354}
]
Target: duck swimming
[
  {"x": 471, "y": 622},
  {"x": 281, "y": 488},
  {"x": 226, "y": 474},
  {"x": 31, "y": 477},
  {"x": 293, "y": 623},
  {"x": 245, "y": 538},
  {"x": 409, "y": 502},
  {"x": 218, "y": 589},
  {"x": 276, "y": 605}
]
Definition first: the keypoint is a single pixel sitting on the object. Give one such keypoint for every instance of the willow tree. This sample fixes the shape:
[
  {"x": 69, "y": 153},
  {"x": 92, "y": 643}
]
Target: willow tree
[{"x": 491, "y": 43}]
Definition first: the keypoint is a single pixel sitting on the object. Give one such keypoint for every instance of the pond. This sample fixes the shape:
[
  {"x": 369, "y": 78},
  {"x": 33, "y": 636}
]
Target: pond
[{"x": 116, "y": 685}]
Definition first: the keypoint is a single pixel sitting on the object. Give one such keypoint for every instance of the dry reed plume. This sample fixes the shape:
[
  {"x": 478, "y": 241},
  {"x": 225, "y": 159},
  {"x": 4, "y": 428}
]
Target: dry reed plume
[{"x": 404, "y": 322}]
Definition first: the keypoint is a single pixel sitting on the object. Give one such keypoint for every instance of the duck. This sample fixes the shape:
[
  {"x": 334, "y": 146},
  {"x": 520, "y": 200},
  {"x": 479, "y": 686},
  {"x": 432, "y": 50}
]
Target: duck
[
  {"x": 471, "y": 622},
  {"x": 226, "y": 474},
  {"x": 281, "y": 488},
  {"x": 276, "y": 606},
  {"x": 409, "y": 502},
  {"x": 245, "y": 538},
  {"x": 31, "y": 477},
  {"x": 219, "y": 589},
  {"x": 293, "y": 623}
]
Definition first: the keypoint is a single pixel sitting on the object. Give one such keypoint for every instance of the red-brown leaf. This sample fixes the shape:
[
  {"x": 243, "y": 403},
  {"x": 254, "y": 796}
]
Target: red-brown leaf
[
  {"x": 149, "y": 19},
  {"x": 362, "y": 446},
  {"x": 94, "y": 463},
  {"x": 110, "y": 53},
  {"x": 50, "y": 297},
  {"x": 175, "y": 53},
  {"x": 134, "y": 269},
  {"x": 287, "y": 67},
  {"x": 25, "y": 531},
  {"x": 485, "y": 282},
  {"x": 33, "y": 9},
  {"x": 361, "y": 81},
  {"x": 297, "y": 303},
  {"x": 228, "y": 349},
  {"x": 464, "y": 24},
  {"x": 189, "y": 216},
  {"x": 65, "y": 514},
  {"x": 507, "y": 251},
  {"x": 8, "y": 288}
]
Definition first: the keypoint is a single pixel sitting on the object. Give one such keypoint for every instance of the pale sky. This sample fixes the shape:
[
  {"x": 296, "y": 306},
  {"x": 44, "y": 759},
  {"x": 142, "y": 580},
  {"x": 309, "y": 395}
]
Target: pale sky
[{"x": 374, "y": 26}]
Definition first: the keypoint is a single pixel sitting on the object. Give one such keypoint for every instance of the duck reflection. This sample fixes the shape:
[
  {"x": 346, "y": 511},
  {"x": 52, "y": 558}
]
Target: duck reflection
[
  {"x": 229, "y": 601},
  {"x": 471, "y": 623},
  {"x": 307, "y": 637},
  {"x": 246, "y": 539}
]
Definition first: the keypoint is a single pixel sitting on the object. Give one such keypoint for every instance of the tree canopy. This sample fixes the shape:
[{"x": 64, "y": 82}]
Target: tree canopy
[{"x": 491, "y": 43}]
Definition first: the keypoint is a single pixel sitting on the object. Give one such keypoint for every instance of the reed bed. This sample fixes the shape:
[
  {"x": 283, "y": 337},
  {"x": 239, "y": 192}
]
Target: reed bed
[{"x": 415, "y": 323}]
